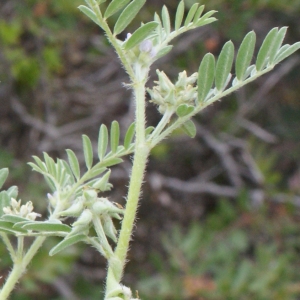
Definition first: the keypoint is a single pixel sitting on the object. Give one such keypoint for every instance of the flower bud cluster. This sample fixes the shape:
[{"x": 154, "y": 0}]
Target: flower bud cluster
[
  {"x": 84, "y": 208},
  {"x": 24, "y": 211},
  {"x": 169, "y": 96}
]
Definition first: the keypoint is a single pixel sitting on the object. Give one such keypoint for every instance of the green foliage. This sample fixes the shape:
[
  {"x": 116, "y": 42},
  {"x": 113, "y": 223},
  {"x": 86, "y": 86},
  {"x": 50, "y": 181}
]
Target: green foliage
[
  {"x": 179, "y": 15},
  {"x": 67, "y": 242},
  {"x": 140, "y": 34},
  {"x": 127, "y": 15},
  {"x": 25, "y": 69},
  {"x": 268, "y": 56},
  {"x": 114, "y": 6},
  {"x": 206, "y": 74},
  {"x": 184, "y": 109},
  {"x": 114, "y": 136},
  {"x": 222, "y": 262},
  {"x": 192, "y": 21},
  {"x": 75, "y": 192},
  {"x": 10, "y": 32},
  {"x": 3, "y": 176},
  {"x": 189, "y": 128},
  {"x": 33, "y": 24},
  {"x": 47, "y": 226},
  {"x": 89, "y": 13},
  {"x": 74, "y": 195},
  {"x": 63, "y": 174},
  {"x": 244, "y": 55},
  {"x": 224, "y": 65}
]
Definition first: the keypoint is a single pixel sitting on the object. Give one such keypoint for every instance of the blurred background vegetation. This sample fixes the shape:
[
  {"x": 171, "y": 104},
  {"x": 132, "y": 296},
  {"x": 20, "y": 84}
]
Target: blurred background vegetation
[{"x": 219, "y": 218}]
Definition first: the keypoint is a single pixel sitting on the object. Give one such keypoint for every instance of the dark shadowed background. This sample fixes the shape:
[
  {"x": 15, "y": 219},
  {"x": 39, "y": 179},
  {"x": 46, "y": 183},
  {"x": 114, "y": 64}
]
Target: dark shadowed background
[{"x": 219, "y": 216}]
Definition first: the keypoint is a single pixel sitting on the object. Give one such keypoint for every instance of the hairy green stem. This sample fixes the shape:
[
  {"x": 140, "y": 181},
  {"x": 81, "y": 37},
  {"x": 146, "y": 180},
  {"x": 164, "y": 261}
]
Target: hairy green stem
[
  {"x": 100, "y": 232},
  {"x": 112, "y": 39},
  {"x": 141, "y": 153},
  {"x": 162, "y": 124}
]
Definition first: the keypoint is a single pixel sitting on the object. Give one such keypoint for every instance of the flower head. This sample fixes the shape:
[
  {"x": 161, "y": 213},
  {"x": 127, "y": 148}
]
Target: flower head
[
  {"x": 169, "y": 96},
  {"x": 24, "y": 211}
]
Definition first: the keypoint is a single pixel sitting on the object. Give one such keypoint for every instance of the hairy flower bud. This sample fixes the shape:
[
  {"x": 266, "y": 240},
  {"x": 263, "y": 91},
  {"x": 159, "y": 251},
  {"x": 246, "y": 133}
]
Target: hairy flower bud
[
  {"x": 74, "y": 210},
  {"x": 15, "y": 204},
  {"x": 182, "y": 80},
  {"x": 169, "y": 96},
  {"x": 165, "y": 83},
  {"x": 104, "y": 206},
  {"x": 109, "y": 227},
  {"x": 32, "y": 216},
  {"x": 84, "y": 219},
  {"x": 90, "y": 194}
]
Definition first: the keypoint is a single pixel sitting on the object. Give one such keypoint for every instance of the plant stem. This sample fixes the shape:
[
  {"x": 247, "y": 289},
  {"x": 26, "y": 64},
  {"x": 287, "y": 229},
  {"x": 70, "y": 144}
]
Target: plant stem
[
  {"x": 112, "y": 39},
  {"x": 141, "y": 153},
  {"x": 107, "y": 253},
  {"x": 20, "y": 261},
  {"x": 20, "y": 264},
  {"x": 162, "y": 123},
  {"x": 8, "y": 245}
]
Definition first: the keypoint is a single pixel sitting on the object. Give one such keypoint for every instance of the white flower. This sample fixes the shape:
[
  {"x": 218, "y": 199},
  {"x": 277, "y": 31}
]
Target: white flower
[
  {"x": 147, "y": 46},
  {"x": 24, "y": 211}
]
